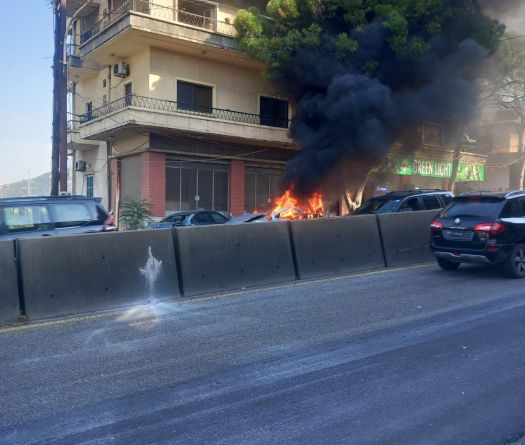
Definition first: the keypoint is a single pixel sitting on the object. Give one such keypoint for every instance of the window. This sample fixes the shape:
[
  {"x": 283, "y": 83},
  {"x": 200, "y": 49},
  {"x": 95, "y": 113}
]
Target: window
[
  {"x": 194, "y": 97},
  {"x": 447, "y": 199},
  {"x": 198, "y": 14},
  {"x": 411, "y": 204},
  {"x": 196, "y": 186},
  {"x": 431, "y": 202},
  {"x": 90, "y": 186},
  {"x": 515, "y": 208},
  {"x": 262, "y": 187},
  {"x": 23, "y": 218},
  {"x": 89, "y": 110},
  {"x": 202, "y": 218},
  {"x": 128, "y": 93},
  {"x": 433, "y": 135},
  {"x": 218, "y": 218},
  {"x": 274, "y": 112},
  {"x": 71, "y": 214}
]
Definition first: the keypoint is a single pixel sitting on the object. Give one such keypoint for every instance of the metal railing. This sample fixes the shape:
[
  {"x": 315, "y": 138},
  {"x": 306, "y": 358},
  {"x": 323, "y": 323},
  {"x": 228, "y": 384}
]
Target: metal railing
[
  {"x": 71, "y": 50},
  {"x": 149, "y": 103},
  {"x": 160, "y": 12},
  {"x": 72, "y": 126}
]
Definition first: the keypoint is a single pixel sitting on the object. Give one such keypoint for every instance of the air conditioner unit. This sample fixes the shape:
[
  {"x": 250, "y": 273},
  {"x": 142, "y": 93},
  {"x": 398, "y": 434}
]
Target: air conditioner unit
[
  {"x": 80, "y": 166},
  {"x": 121, "y": 69}
]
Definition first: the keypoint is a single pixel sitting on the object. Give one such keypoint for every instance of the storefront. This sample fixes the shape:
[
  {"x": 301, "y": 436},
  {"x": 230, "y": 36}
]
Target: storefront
[
  {"x": 414, "y": 172},
  {"x": 196, "y": 185}
]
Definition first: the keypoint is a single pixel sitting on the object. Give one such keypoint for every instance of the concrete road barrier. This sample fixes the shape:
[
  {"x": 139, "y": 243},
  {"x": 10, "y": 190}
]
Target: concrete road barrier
[
  {"x": 9, "y": 299},
  {"x": 83, "y": 273},
  {"x": 231, "y": 257},
  {"x": 334, "y": 246},
  {"x": 406, "y": 237}
]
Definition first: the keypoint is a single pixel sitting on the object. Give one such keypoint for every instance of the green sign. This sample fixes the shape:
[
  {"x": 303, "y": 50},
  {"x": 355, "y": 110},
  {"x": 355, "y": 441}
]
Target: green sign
[{"x": 438, "y": 169}]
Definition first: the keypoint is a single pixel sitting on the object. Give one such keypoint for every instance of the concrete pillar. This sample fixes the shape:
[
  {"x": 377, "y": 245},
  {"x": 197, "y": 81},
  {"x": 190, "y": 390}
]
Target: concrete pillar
[
  {"x": 153, "y": 184},
  {"x": 237, "y": 187}
]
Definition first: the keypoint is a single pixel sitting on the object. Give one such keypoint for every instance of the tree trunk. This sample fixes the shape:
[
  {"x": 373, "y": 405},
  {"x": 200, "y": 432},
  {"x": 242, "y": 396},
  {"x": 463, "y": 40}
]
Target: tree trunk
[
  {"x": 517, "y": 170},
  {"x": 356, "y": 175},
  {"x": 455, "y": 166}
]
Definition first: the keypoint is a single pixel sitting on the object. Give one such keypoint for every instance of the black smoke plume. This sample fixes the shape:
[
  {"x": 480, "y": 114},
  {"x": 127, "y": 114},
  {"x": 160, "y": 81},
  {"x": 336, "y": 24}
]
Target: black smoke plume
[{"x": 343, "y": 112}]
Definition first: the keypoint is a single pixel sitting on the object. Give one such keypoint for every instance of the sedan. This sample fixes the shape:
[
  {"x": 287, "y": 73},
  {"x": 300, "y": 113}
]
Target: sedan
[{"x": 190, "y": 218}]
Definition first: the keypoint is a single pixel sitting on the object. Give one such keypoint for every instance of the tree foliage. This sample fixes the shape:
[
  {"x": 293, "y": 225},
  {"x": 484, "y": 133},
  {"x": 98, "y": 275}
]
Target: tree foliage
[{"x": 287, "y": 27}]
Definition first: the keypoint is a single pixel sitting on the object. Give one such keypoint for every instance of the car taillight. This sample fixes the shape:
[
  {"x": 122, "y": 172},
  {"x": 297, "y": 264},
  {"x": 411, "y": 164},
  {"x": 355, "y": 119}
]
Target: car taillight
[
  {"x": 436, "y": 225},
  {"x": 110, "y": 222},
  {"x": 490, "y": 228}
]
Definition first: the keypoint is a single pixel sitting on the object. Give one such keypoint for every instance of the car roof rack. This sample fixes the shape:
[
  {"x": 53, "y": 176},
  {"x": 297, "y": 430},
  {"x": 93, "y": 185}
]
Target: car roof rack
[
  {"x": 515, "y": 193},
  {"x": 479, "y": 192},
  {"x": 43, "y": 198},
  {"x": 416, "y": 191}
]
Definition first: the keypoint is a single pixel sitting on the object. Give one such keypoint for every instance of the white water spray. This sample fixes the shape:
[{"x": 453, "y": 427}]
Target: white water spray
[{"x": 151, "y": 272}]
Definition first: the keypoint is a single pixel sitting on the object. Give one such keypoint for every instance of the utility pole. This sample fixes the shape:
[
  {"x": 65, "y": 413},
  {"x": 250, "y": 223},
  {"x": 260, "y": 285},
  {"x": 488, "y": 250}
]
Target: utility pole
[{"x": 59, "y": 145}]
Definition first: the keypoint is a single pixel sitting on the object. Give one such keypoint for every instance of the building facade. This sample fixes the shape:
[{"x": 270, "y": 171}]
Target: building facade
[{"x": 165, "y": 108}]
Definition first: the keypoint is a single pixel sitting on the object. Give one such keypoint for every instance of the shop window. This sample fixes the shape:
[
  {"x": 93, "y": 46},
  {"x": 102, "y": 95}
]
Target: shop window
[
  {"x": 261, "y": 190},
  {"x": 193, "y": 97},
  {"x": 274, "y": 112},
  {"x": 193, "y": 186}
]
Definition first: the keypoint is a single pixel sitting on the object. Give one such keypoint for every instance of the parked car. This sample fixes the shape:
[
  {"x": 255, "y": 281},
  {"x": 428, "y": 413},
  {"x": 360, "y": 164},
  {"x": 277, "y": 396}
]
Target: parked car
[
  {"x": 52, "y": 216},
  {"x": 190, "y": 218},
  {"x": 484, "y": 228},
  {"x": 247, "y": 218},
  {"x": 407, "y": 201}
]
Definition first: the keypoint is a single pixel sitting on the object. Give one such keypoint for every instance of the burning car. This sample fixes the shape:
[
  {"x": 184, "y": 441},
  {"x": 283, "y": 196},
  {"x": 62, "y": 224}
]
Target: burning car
[{"x": 290, "y": 207}]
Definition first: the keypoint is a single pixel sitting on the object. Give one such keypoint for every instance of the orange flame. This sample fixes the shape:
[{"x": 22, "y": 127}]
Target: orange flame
[{"x": 288, "y": 206}]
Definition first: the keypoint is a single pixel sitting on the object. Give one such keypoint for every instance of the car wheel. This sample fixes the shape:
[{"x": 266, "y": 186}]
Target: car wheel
[
  {"x": 515, "y": 264},
  {"x": 447, "y": 265}
]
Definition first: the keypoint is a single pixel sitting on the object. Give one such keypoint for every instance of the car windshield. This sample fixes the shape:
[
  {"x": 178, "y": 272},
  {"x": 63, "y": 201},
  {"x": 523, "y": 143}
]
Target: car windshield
[
  {"x": 473, "y": 206},
  {"x": 379, "y": 205}
]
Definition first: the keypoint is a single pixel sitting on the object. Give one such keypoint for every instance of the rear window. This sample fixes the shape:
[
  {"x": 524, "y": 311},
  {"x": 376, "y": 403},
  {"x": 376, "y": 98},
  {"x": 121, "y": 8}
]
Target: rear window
[
  {"x": 72, "y": 214},
  {"x": 26, "y": 218},
  {"x": 475, "y": 206},
  {"x": 378, "y": 205}
]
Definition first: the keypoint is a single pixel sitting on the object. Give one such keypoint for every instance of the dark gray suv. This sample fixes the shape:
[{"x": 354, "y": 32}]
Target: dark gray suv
[
  {"x": 407, "y": 201},
  {"x": 52, "y": 216}
]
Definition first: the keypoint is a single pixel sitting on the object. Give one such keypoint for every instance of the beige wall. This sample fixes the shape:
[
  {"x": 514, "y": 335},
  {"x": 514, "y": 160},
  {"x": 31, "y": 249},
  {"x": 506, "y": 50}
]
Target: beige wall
[
  {"x": 139, "y": 65},
  {"x": 235, "y": 88},
  {"x": 96, "y": 165},
  {"x": 136, "y": 143}
]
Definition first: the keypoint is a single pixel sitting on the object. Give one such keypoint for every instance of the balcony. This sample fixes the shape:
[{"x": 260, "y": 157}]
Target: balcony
[
  {"x": 79, "y": 68},
  {"x": 123, "y": 30},
  {"x": 154, "y": 114},
  {"x": 74, "y": 141}
]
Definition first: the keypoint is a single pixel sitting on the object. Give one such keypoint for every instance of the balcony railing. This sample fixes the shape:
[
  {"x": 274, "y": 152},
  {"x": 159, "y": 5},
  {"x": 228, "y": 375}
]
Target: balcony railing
[
  {"x": 159, "y": 12},
  {"x": 149, "y": 103},
  {"x": 72, "y": 50},
  {"x": 72, "y": 126}
]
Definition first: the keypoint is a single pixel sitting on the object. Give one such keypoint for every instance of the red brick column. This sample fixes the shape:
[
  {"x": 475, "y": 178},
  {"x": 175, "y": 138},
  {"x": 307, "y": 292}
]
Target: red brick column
[
  {"x": 153, "y": 185},
  {"x": 237, "y": 187},
  {"x": 115, "y": 182}
]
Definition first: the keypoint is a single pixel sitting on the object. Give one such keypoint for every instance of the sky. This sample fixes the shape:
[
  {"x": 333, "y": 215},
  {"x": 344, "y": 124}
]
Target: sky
[{"x": 26, "y": 33}]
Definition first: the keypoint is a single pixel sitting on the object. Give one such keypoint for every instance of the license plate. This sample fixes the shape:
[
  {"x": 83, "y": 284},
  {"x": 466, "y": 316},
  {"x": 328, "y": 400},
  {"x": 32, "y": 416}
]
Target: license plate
[{"x": 459, "y": 235}]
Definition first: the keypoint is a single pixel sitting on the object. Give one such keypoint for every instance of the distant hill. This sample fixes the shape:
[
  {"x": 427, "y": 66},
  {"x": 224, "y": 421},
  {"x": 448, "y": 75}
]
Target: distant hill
[{"x": 38, "y": 186}]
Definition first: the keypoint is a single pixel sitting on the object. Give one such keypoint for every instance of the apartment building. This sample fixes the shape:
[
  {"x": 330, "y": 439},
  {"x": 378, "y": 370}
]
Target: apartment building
[
  {"x": 505, "y": 151},
  {"x": 164, "y": 107}
]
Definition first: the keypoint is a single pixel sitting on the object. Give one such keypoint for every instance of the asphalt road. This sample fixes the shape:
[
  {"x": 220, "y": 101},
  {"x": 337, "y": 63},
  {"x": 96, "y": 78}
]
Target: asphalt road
[{"x": 415, "y": 356}]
